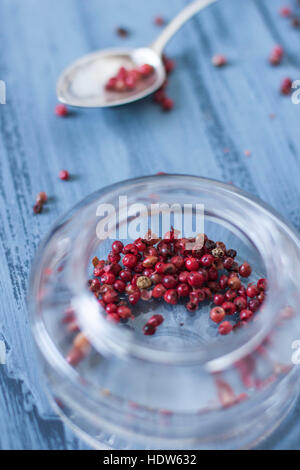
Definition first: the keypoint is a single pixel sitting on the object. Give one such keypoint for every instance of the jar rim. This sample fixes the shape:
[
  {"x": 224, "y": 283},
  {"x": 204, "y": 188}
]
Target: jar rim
[{"x": 248, "y": 341}]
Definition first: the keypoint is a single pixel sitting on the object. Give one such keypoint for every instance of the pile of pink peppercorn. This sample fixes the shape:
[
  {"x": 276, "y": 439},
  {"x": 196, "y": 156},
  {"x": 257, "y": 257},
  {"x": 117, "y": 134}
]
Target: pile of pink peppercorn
[{"x": 170, "y": 270}]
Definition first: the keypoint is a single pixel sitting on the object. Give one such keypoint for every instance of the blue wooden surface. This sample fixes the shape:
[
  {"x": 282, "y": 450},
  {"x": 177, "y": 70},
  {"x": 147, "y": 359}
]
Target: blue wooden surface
[{"x": 215, "y": 109}]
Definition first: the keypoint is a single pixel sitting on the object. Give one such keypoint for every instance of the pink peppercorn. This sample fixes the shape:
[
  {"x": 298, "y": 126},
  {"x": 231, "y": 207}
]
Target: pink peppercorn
[
  {"x": 134, "y": 297},
  {"x": 145, "y": 70},
  {"x": 37, "y": 208},
  {"x": 41, "y": 198},
  {"x": 219, "y": 299},
  {"x": 191, "y": 264},
  {"x": 167, "y": 104},
  {"x": 252, "y": 290},
  {"x": 225, "y": 328},
  {"x": 195, "y": 279},
  {"x": 285, "y": 11},
  {"x": 171, "y": 296},
  {"x": 61, "y": 110},
  {"x": 286, "y": 86},
  {"x": 64, "y": 175},
  {"x": 219, "y": 60},
  {"x": 229, "y": 307},
  {"x": 158, "y": 291},
  {"x": 245, "y": 270},
  {"x": 217, "y": 314},
  {"x": 124, "y": 312},
  {"x": 129, "y": 261},
  {"x": 246, "y": 314},
  {"x": 262, "y": 284},
  {"x": 159, "y": 21},
  {"x": 149, "y": 330},
  {"x": 155, "y": 320},
  {"x": 117, "y": 247},
  {"x": 276, "y": 55}
]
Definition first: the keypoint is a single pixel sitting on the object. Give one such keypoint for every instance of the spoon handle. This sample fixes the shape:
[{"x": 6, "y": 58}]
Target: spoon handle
[{"x": 159, "y": 44}]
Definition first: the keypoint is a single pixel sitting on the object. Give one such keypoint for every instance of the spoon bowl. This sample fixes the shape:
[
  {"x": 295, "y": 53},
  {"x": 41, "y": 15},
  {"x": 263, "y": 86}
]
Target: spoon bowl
[{"x": 83, "y": 83}]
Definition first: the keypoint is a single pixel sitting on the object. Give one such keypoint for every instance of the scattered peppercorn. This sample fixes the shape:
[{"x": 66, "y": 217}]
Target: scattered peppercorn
[
  {"x": 219, "y": 60},
  {"x": 64, "y": 175},
  {"x": 61, "y": 110},
  {"x": 122, "y": 32},
  {"x": 286, "y": 86}
]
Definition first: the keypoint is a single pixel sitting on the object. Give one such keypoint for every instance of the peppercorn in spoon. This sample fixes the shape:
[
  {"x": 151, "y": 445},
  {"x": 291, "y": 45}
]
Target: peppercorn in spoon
[{"x": 113, "y": 77}]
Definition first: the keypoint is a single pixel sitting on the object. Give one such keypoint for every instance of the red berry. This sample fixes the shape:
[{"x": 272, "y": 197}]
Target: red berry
[
  {"x": 245, "y": 270},
  {"x": 228, "y": 263},
  {"x": 217, "y": 314},
  {"x": 183, "y": 290},
  {"x": 254, "y": 304},
  {"x": 134, "y": 297},
  {"x": 155, "y": 320},
  {"x": 149, "y": 330},
  {"x": 213, "y": 274},
  {"x": 223, "y": 281},
  {"x": 64, "y": 175},
  {"x": 219, "y": 299},
  {"x": 37, "y": 208},
  {"x": 191, "y": 306},
  {"x": 225, "y": 328},
  {"x": 111, "y": 308},
  {"x": 219, "y": 60},
  {"x": 125, "y": 275},
  {"x": 169, "y": 65},
  {"x": 61, "y": 110},
  {"x": 262, "y": 284},
  {"x": 108, "y": 278},
  {"x": 95, "y": 285},
  {"x": 129, "y": 261},
  {"x": 286, "y": 86},
  {"x": 141, "y": 246},
  {"x": 183, "y": 276},
  {"x": 171, "y": 296},
  {"x": 246, "y": 314},
  {"x": 159, "y": 96},
  {"x": 167, "y": 104},
  {"x": 195, "y": 279},
  {"x": 41, "y": 198},
  {"x": 252, "y": 290},
  {"x": 169, "y": 281},
  {"x": 285, "y": 11},
  {"x": 124, "y": 312},
  {"x": 192, "y": 264},
  {"x": 276, "y": 55},
  {"x": 130, "y": 248},
  {"x": 234, "y": 282},
  {"x": 158, "y": 291},
  {"x": 110, "y": 297},
  {"x": 178, "y": 261},
  {"x": 119, "y": 285},
  {"x": 117, "y": 247},
  {"x": 159, "y": 21},
  {"x": 230, "y": 294},
  {"x": 240, "y": 302},
  {"x": 207, "y": 260},
  {"x": 229, "y": 308},
  {"x": 145, "y": 70}
]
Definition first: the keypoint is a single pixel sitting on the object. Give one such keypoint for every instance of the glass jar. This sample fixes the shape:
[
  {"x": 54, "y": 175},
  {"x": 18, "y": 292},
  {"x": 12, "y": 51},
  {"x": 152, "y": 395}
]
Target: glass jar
[{"x": 186, "y": 387}]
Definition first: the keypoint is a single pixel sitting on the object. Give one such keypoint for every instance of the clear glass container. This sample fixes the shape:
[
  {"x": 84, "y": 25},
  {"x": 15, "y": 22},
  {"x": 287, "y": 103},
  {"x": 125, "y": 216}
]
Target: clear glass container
[{"x": 186, "y": 387}]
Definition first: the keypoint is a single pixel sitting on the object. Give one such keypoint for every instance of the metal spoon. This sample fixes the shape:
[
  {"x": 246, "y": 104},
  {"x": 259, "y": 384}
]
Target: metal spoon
[{"x": 83, "y": 83}]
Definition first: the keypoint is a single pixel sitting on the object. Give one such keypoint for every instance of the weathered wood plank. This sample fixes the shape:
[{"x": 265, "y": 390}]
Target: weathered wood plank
[{"x": 215, "y": 110}]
